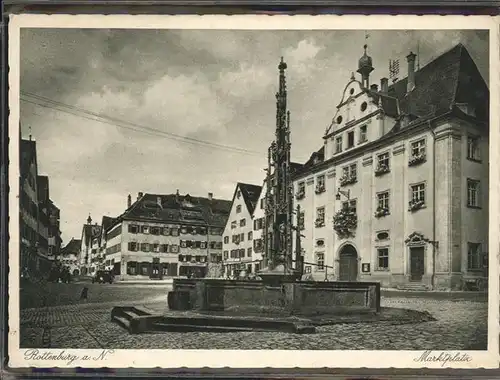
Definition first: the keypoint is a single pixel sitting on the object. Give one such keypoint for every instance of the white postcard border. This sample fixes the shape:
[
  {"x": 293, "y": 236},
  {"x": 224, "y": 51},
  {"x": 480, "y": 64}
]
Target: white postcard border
[{"x": 70, "y": 358}]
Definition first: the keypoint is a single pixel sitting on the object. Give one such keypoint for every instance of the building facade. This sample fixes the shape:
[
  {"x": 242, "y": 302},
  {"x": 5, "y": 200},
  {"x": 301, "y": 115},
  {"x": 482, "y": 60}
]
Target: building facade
[
  {"x": 90, "y": 259},
  {"x": 69, "y": 256},
  {"x": 237, "y": 245},
  {"x": 54, "y": 230},
  {"x": 166, "y": 236},
  {"x": 399, "y": 191},
  {"x": 33, "y": 220}
]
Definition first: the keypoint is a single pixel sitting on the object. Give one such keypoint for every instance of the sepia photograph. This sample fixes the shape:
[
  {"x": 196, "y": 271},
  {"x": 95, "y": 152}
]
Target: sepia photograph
[{"x": 251, "y": 189}]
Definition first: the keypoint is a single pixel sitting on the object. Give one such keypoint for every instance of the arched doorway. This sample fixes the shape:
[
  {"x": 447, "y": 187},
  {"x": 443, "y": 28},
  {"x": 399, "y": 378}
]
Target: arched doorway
[{"x": 348, "y": 263}]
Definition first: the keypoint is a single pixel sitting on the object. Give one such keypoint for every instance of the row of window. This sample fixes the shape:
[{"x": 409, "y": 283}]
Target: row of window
[
  {"x": 417, "y": 201},
  {"x": 237, "y": 253},
  {"x": 113, "y": 249},
  {"x": 239, "y": 207},
  {"x": 234, "y": 223},
  {"x": 418, "y": 154},
  {"x": 417, "y": 147},
  {"x": 172, "y": 248},
  {"x": 238, "y": 238},
  {"x": 172, "y": 231},
  {"x": 259, "y": 223},
  {"x": 362, "y": 138},
  {"x": 476, "y": 259}
]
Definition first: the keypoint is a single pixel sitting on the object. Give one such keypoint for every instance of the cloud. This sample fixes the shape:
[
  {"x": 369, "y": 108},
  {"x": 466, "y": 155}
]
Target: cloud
[
  {"x": 301, "y": 59},
  {"x": 207, "y": 85}
]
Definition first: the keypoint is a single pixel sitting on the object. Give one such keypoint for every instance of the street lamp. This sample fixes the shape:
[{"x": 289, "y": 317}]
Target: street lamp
[{"x": 344, "y": 193}]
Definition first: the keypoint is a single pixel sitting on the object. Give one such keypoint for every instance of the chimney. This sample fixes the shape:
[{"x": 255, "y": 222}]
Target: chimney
[
  {"x": 129, "y": 201},
  {"x": 374, "y": 87},
  {"x": 139, "y": 195},
  {"x": 210, "y": 196},
  {"x": 411, "y": 72},
  {"x": 384, "y": 85}
]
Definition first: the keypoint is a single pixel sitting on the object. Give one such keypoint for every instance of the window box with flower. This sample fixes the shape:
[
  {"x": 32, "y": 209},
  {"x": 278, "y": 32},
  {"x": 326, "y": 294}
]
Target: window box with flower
[
  {"x": 417, "y": 159},
  {"x": 300, "y": 195},
  {"x": 347, "y": 180},
  {"x": 319, "y": 223},
  {"x": 345, "y": 222},
  {"x": 381, "y": 169},
  {"x": 320, "y": 188},
  {"x": 381, "y": 212},
  {"x": 415, "y": 204}
]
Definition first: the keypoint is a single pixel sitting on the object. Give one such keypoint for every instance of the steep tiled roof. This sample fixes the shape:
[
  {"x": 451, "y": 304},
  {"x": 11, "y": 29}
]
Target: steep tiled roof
[
  {"x": 316, "y": 157},
  {"x": 451, "y": 78},
  {"x": 389, "y": 103},
  {"x": 107, "y": 221},
  {"x": 73, "y": 246},
  {"x": 176, "y": 208},
  {"x": 27, "y": 151},
  {"x": 295, "y": 166},
  {"x": 43, "y": 188},
  {"x": 250, "y": 194}
]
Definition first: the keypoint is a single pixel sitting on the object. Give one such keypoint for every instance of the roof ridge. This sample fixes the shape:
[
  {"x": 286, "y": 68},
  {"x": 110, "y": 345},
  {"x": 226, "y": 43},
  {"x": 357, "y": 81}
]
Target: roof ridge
[{"x": 457, "y": 81}]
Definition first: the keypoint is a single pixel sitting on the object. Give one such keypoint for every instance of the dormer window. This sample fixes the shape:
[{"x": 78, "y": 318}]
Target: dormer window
[
  {"x": 350, "y": 139},
  {"x": 467, "y": 109},
  {"x": 338, "y": 144},
  {"x": 238, "y": 209},
  {"x": 362, "y": 134}
]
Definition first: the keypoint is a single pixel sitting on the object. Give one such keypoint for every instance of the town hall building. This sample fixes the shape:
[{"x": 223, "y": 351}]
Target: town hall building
[{"x": 398, "y": 192}]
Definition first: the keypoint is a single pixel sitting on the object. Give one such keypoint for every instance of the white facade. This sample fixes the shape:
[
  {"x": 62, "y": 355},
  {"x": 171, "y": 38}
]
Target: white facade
[
  {"x": 258, "y": 229},
  {"x": 238, "y": 238},
  {"x": 419, "y": 194}
]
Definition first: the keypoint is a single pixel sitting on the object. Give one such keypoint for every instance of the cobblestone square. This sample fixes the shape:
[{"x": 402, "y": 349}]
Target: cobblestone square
[{"x": 461, "y": 324}]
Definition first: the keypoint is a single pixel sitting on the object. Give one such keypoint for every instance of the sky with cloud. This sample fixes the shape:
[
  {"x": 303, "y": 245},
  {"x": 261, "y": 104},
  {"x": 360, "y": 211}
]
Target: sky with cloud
[{"x": 169, "y": 91}]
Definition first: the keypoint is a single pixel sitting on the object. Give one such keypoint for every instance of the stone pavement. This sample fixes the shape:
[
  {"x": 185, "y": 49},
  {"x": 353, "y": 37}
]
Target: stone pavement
[
  {"x": 55, "y": 294},
  {"x": 460, "y": 325}
]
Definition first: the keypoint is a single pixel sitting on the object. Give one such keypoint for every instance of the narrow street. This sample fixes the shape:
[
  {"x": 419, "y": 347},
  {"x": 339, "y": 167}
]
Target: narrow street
[{"x": 68, "y": 322}]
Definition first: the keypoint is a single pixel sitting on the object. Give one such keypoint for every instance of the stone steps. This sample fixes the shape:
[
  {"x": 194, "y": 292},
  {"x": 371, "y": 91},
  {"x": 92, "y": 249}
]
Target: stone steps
[
  {"x": 137, "y": 320},
  {"x": 417, "y": 287},
  {"x": 175, "y": 327}
]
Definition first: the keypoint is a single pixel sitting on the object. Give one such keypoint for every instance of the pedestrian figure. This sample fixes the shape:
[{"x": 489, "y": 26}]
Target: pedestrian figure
[{"x": 84, "y": 294}]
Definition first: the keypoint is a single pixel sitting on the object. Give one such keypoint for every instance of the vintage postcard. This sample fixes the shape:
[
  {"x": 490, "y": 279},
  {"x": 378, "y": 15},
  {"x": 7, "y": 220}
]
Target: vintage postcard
[{"x": 253, "y": 191}]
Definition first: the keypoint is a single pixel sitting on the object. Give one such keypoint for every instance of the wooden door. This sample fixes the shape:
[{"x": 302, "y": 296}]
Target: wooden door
[
  {"x": 417, "y": 267},
  {"x": 156, "y": 269},
  {"x": 348, "y": 265}
]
